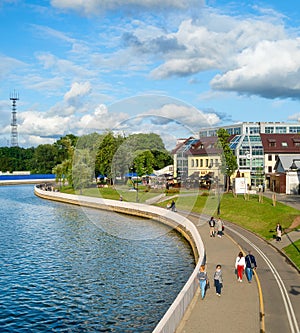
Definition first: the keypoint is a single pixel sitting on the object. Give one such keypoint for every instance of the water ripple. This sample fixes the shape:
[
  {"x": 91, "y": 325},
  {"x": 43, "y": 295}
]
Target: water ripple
[{"x": 59, "y": 272}]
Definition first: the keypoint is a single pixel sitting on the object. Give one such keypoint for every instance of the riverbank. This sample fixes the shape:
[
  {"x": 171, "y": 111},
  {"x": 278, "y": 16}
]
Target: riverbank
[
  {"x": 17, "y": 179},
  {"x": 174, "y": 315}
]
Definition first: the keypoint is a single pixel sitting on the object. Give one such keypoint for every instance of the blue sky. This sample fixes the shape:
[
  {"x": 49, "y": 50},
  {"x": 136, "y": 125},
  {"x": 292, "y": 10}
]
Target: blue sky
[{"x": 169, "y": 67}]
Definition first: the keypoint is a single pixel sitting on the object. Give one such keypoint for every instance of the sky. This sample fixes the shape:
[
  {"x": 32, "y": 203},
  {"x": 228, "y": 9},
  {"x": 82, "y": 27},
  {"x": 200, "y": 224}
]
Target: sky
[{"x": 170, "y": 67}]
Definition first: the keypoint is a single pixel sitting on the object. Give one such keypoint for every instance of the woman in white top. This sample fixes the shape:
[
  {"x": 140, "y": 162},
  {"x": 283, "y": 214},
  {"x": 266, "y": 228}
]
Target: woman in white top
[{"x": 240, "y": 265}]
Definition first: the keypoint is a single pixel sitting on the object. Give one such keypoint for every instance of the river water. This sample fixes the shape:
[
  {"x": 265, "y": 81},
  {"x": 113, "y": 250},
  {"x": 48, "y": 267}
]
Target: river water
[{"x": 61, "y": 272}]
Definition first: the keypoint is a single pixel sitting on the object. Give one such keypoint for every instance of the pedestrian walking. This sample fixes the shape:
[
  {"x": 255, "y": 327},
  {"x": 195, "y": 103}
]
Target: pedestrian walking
[
  {"x": 203, "y": 280},
  {"x": 240, "y": 265},
  {"x": 219, "y": 226},
  {"x": 278, "y": 232},
  {"x": 218, "y": 280},
  {"x": 173, "y": 206},
  {"x": 212, "y": 224},
  {"x": 250, "y": 265}
]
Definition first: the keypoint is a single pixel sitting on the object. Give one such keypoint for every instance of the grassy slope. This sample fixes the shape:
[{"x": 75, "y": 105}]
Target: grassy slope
[
  {"x": 260, "y": 218},
  {"x": 292, "y": 251}
]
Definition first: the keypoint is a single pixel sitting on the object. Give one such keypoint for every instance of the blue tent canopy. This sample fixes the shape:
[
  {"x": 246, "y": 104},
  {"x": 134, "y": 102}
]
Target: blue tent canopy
[{"x": 131, "y": 174}]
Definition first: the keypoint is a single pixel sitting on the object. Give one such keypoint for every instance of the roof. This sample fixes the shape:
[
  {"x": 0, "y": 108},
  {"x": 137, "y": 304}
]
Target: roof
[
  {"x": 204, "y": 146},
  {"x": 281, "y": 143},
  {"x": 284, "y": 162}
]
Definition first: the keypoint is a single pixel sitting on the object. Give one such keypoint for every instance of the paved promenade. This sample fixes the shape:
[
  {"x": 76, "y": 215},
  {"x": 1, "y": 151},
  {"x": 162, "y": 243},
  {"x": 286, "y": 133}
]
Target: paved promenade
[{"x": 237, "y": 310}]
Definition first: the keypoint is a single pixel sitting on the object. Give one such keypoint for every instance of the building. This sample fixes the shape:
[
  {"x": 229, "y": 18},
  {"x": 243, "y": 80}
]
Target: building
[
  {"x": 197, "y": 160},
  {"x": 252, "y": 146},
  {"x": 286, "y": 178},
  {"x": 249, "y": 128},
  {"x": 287, "y": 146}
]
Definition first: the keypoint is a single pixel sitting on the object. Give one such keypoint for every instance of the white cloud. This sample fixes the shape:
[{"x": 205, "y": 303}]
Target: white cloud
[
  {"x": 271, "y": 70},
  {"x": 295, "y": 117},
  {"x": 90, "y": 7},
  {"x": 77, "y": 91},
  {"x": 38, "y": 124},
  {"x": 187, "y": 116}
]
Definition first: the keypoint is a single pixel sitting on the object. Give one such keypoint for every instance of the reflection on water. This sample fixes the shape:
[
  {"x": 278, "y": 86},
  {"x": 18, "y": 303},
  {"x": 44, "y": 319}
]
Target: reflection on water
[{"x": 60, "y": 272}]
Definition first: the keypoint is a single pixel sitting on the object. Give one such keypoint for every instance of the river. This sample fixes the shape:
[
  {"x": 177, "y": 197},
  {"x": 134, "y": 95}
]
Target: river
[{"x": 62, "y": 272}]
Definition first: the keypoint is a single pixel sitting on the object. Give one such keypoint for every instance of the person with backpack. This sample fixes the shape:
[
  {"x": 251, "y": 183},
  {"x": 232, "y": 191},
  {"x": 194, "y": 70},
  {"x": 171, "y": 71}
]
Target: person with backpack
[{"x": 250, "y": 265}]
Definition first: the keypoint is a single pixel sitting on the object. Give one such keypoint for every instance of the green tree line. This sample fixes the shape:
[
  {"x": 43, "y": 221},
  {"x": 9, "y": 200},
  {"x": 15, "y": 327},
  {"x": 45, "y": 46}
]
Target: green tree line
[{"x": 80, "y": 159}]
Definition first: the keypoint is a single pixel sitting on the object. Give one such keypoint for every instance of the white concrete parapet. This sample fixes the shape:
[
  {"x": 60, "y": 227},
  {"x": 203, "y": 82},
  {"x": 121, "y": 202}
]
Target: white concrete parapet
[{"x": 174, "y": 314}]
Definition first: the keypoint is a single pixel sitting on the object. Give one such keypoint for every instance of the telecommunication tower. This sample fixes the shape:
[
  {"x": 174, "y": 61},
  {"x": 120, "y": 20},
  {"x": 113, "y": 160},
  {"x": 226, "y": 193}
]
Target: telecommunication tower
[{"x": 14, "y": 97}]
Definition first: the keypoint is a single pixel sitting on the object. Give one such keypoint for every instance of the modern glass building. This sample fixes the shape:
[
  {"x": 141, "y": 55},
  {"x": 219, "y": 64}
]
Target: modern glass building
[
  {"x": 247, "y": 145},
  {"x": 253, "y": 128}
]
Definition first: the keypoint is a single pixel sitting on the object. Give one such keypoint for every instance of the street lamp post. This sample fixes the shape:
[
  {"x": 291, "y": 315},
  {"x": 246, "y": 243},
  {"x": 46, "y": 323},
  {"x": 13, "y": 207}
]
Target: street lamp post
[
  {"x": 219, "y": 198},
  {"x": 137, "y": 188},
  {"x": 217, "y": 165}
]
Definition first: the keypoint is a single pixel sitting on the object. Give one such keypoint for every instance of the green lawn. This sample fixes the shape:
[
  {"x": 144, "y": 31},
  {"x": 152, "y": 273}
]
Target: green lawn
[
  {"x": 293, "y": 252},
  {"x": 127, "y": 193},
  {"x": 261, "y": 218}
]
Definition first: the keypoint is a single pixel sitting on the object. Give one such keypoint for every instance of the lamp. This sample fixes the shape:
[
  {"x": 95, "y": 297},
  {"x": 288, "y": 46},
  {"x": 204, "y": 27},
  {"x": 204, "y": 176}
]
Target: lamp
[{"x": 294, "y": 167}]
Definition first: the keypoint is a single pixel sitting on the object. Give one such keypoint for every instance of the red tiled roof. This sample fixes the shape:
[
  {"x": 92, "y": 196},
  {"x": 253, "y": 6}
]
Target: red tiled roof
[
  {"x": 281, "y": 143},
  {"x": 205, "y": 146}
]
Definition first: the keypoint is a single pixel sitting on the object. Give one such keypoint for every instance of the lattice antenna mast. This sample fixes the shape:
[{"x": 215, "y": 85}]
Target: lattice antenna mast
[{"x": 14, "y": 97}]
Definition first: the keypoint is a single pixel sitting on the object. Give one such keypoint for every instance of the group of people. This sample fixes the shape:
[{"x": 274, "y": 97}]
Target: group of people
[
  {"x": 242, "y": 264},
  {"x": 245, "y": 264},
  {"x": 172, "y": 206},
  {"x": 216, "y": 227},
  {"x": 204, "y": 281}
]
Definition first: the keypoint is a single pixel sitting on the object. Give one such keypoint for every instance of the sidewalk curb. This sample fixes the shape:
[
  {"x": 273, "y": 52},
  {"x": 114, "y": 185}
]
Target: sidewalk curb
[
  {"x": 269, "y": 243},
  {"x": 284, "y": 255}
]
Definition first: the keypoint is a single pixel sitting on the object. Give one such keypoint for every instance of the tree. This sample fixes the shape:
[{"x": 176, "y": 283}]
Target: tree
[
  {"x": 82, "y": 169},
  {"x": 143, "y": 163},
  {"x": 44, "y": 158},
  {"x": 63, "y": 170},
  {"x": 107, "y": 149},
  {"x": 229, "y": 164}
]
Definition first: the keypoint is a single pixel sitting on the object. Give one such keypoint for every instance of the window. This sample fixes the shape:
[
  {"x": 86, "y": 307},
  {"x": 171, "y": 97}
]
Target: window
[
  {"x": 284, "y": 144},
  {"x": 269, "y": 129},
  {"x": 269, "y": 169},
  {"x": 253, "y": 130},
  {"x": 280, "y": 129},
  {"x": 192, "y": 163},
  {"x": 237, "y": 130},
  {"x": 269, "y": 157},
  {"x": 294, "y": 129},
  {"x": 201, "y": 163},
  {"x": 206, "y": 162}
]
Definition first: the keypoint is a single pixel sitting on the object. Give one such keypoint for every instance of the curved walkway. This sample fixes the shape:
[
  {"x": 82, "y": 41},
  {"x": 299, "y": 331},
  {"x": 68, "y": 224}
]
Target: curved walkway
[{"x": 238, "y": 308}]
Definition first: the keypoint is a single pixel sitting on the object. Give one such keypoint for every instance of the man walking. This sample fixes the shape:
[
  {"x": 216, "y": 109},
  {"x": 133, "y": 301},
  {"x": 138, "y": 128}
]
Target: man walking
[{"x": 250, "y": 265}]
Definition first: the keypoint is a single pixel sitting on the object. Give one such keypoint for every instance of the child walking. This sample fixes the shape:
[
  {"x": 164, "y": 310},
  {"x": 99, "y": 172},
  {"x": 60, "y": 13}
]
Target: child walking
[{"x": 218, "y": 280}]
